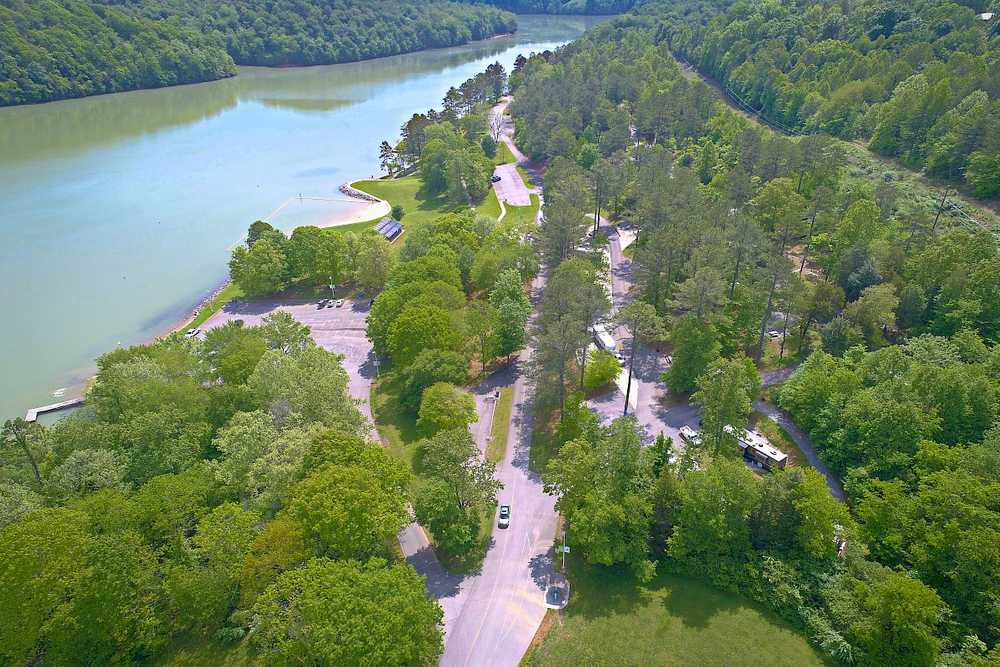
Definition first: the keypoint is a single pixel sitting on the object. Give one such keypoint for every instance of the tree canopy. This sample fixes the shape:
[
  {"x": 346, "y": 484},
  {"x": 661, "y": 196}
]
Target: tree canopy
[{"x": 53, "y": 50}]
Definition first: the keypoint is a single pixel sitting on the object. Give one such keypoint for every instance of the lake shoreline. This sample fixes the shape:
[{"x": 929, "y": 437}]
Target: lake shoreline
[
  {"x": 367, "y": 211},
  {"x": 160, "y": 185},
  {"x": 236, "y": 73}
]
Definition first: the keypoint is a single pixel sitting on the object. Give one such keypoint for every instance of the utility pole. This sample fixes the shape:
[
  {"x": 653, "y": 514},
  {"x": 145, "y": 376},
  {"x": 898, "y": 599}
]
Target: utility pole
[
  {"x": 564, "y": 550},
  {"x": 940, "y": 209},
  {"x": 631, "y": 365}
]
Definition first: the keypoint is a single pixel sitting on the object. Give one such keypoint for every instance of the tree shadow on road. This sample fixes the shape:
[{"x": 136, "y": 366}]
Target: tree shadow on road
[{"x": 440, "y": 582}]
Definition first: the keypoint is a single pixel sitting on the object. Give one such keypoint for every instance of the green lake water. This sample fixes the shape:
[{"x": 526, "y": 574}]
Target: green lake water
[{"x": 117, "y": 212}]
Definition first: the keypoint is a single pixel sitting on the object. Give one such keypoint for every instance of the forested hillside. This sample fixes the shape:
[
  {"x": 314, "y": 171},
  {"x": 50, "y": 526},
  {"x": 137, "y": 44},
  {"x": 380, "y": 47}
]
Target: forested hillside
[
  {"x": 597, "y": 7},
  {"x": 918, "y": 80},
  {"x": 755, "y": 250},
  {"x": 54, "y": 49}
]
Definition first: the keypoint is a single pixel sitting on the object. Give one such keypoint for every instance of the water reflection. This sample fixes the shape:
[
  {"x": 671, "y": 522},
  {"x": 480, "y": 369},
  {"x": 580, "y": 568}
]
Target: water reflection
[
  {"x": 117, "y": 212},
  {"x": 59, "y": 128}
]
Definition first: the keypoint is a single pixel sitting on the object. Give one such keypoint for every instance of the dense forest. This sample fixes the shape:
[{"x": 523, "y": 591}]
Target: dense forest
[
  {"x": 55, "y": 49},
  {"x": 917, "y": 80},
  {"x": 594, "y": 7},
  {"x": 890, "y": 309},
  {"x": 52, "y": 50},
  {"x": 203, "y": 495}
]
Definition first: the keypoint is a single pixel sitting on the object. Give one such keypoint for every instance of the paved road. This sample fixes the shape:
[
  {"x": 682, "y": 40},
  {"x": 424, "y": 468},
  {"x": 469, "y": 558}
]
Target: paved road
[
  {"x": 782, "y": 418},
  {"x": 497, "y": 611},
  {"x": 511, "y": 188}
]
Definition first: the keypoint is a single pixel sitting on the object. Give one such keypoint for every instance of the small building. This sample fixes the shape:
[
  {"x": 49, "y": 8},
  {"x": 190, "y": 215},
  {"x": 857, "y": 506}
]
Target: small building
[
  {"x": 389, "y": 228},
  {"x": 758, "y": 450},
  {"x": 986, "y": 16}
]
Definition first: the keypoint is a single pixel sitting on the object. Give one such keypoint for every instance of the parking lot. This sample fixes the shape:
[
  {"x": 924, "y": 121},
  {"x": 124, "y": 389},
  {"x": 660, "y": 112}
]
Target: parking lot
[
  {"x": 511, "y": 188},
  {"x": 340, "y": 330}
]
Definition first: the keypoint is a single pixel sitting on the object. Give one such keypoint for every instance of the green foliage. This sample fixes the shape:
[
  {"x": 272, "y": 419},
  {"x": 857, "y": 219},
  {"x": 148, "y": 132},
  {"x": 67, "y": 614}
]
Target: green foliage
[
  {"x": 603, "y": 483},
  {"x": 42, "y": 560},
  {"x": 454, "y": 166},
  {"x": 695, "y": 347},
  {"x": 420, "y": 328},
  {"x": 112, "y": 617},
  {"x": 348, "y": 511},
  {"x": 920, "y": 74},
  {"x": 54, "y": 50},
  {"x": 711, "y": 531},
  {"x": 311, "y": 385},
  {"x": 332, "y": 612},
  {"x": 431, "y": 367},
  {"x": 602, "y": 369},
  {"x": 453, "y": 458},
  {"x": 725, "y": 392},
  {"x": 444, "y": 407},
  {"x": 261, "y": 270},
  {"x": 454, "y": 528}
]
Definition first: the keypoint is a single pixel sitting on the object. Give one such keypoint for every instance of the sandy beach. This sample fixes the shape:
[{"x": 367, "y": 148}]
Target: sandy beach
[{"x": 363, "y": 211}]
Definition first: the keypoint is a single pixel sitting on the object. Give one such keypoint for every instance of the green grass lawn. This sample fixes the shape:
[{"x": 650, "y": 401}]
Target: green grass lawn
[
  {"x": 503, "y": 156},
  {"x": 544, "y": 444},
  {"x": 611, "y": 620},
  {"x": 522, "y": 214},
  {"x": 490, "y": 205},
  {"x": 417, "y": 207},
  {"x": 200, "y": 652},
  {"x": 525, "y": 176},
  {"x": 497, "y": 447},
  {"x": 229, "y": 292},
  {"x": 396, "y": 425}
]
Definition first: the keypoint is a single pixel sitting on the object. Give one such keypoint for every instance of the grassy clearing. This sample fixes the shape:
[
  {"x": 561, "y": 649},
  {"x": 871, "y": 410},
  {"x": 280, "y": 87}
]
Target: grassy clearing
[
  {"x": 490, "y": 205},
  {"x": 497, "y": 447},
  {"x": 408, "y": 193},
  {"x": 525, "y": 176},
  {"x": 229, "y": 292},
  {"x": 397, "y": 427},
  {"x": 503, "y": 156},
  {"x": 418, "y": 208},
  {"x": 612, "y": 620},
  {"x": 779, "y": 438},
  {"x": 520, "y": 215},
  {"x": 200, "y": 652},
  {"x": 544, "y": 444},
  {"x": 356, "y": 227}
]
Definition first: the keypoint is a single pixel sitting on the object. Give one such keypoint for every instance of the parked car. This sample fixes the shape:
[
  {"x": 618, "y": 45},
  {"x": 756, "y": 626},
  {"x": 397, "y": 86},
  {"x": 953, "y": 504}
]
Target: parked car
[
  {"x": 321, "y": 304},
  {"x": 504, "y": 520},
  {"x": 774, "y": 333},
  {"x": 690, "y": 435},
  {"x": 340, "y": 302},
  {"x": 191, "y": 333},
  {"x": 494, "y": 178}
]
